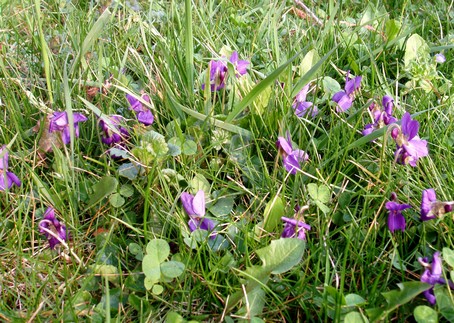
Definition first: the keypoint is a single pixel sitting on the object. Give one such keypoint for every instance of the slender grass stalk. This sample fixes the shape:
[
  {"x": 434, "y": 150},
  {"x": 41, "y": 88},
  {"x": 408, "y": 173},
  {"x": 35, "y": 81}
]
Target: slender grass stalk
[
  {"x": 44, "y": 50},
  {"x": 189, "y": 41}
]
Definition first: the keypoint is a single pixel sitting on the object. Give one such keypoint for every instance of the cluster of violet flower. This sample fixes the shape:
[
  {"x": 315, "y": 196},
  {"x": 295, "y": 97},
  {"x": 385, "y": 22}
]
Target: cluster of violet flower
[
  {"x": 431, "y": 208},
  {"x": 113, "y": 134},
  {"x": 219, "y": 71},
  {"x": 410, "y": 147},
  {"x": 7, "y": 179}
]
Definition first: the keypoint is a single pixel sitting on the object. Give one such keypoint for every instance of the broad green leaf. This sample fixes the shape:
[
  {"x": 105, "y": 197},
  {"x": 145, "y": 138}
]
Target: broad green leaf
[
  {"x": 448, "y": 256},
  {"x": 116, "y": 200},
  {"x": 105, "y": 186},
  {"x": 445, "y": 302},
  {"x": 330, "y": 86},
  {"x": 126, "y": 190},
  {"x": 354, "y": 300},
  {"x": 129, "y": 170},
  {"x": 396, "y": 298},
  {"x": 172, "y": 269},
  {"x": 392, "y": 28},
  {"x": 157, "y": 289},
  {"x": 257, "y": 277},
  {"x": 311, "y": 73},
  {"x": 281, "y": 255},
  {"x": 355, "y": 317},
  {"x": 118, "y": 153},
  {"x": 259, "y": 88},
  {"x": 199, "y": 182},
  {"x": 335, "y": 294},
  {"x": 174, "y": 150},
  {"x": 191, "y": 242},
  {"x": 415, "y": 48},
  {"x": 109, "y": 271},
  {"x": 375, "y": 313},
  {"x": 319, "y": 193},
  {"x": 189, "y": 147},
  {"x": 425, "y": 314},
  {"x": 222, "y": 207},
  {"x": 324, "y": 194},
  {"x": 407, "y": 291},
  {"x": 159, "y": 248},
  {"x": 325, "y": 209},
  {"x": 396, "y": 261},
  {"x": 134, "y": 248},
  {"x": 111, "y": 300},
  {"x": 274, "y": 210},
  {"x": 174, "y": 317},
  {"x": 151, "y": 269},
  {"x": 255, "y": 301},
  {"x": 309, "y": 60},
  {"x": 149, "y": 282},
  {"x": 313, "y": 190}
]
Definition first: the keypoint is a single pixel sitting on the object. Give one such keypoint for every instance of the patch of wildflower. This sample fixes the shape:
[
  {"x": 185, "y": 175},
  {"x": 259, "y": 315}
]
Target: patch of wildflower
[
  {"x": 113, "y": 131},
  {"x": 195, "y": 209},
  {"x": 59, "y": 122},
  {"x": 382, "y": 115},
  {"x": 143, "y": 114},
  {"x": 431, "y": 208},
  {"x": 7, "y": 179},
  {"x": 433, "y": 275},
  {"x": 295, "y": 228},
  {"x": 54, "y": 230},
  {"x": 409, "y": 146},
  {"x": 291, "y": 158},
  {"x": 440, "y": 58},
  {"x": 303, "y": 107},
  {"x": 344, "y": 98},
  {"x": 219, "y": 71},
  {"x": 396, "y": 221}
]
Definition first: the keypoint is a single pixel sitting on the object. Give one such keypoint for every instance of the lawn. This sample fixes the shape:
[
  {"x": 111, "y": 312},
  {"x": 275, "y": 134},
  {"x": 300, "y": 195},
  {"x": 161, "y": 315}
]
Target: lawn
[{"x": 226, "y": 161}]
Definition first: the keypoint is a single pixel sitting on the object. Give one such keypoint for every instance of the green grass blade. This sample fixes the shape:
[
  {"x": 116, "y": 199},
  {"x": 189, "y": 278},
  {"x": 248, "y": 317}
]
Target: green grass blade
[
  {"x": 189, "y": 46},
  {"x": 44, "y": 50},
  {"x": 92, "y": 35},
  {"x": 310, "y": 74},
  {"x": 218, "y": 123},
  {"x": 259, "y": 88}
]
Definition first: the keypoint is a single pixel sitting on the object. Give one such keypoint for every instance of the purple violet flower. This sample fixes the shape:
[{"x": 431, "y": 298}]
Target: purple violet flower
[
  {"x": 344, "y": 98},
  {"x": 396, "y": 221},
  {"x": 291, "y": 159},
  {"x": 7, "y": 179},
  {"x": 219, "y": 69},
  {"x": 59, "y": 122},
  {"x": 113, "y": 131},
  {"x": 195, "y": 208},
  {"x": 409, "y": 146},
  {"x": 431, "y": 208},
  {"x": 382, "y": 117},
  {"x": 294, "y": 228},
  {"x": 53, "y": 229},
  {"x": 433, "y": 275},
  {"x": 301, "y": 106},
  {"x": 440, "y": 58},
  {"x": 144, "y": 115},
  {"x": 240, "y": 65}
]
